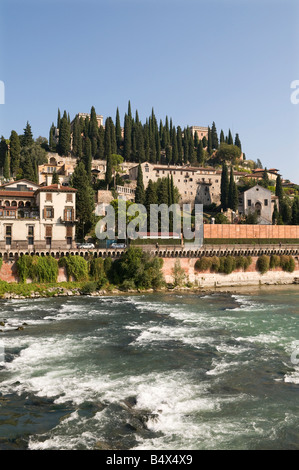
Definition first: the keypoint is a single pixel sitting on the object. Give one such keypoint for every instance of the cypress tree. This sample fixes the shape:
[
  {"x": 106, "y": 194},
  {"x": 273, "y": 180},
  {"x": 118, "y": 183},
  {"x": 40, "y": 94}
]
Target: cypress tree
[
  {"x": 52, "y": 144},
  {"x": 222, "y": 138},
  {"x": 84, "y": 200},
  {"x": 168, "y": 154},
  {"x": 279, "y": 189},
  {"x": 204, "y": 142},
  {"x": 139, "y": 193},
  {"x": 180, "y": 145},
  {"x": 55, "y": 178},
  {"x": 295, "y": 211},
  {"x": 58, "y": 119},
  {"x": 87, "y": 157},
  {"x": 192, "y": 156},
  {"x": 93, "y": 131},
  {"x": 28, "y": 136},
  {"x": 265, "y": 181},
  {"x": 150, "y": 198},
  {"x": 3, "y": 151},
  {"x": 6, "y": 168},
  {"x": 158, "y": 145},
  {"x": 214, "y": 137},
  {"x": 175, "y": 154},
  {"x": 108, "y": 176},
  {"x": 140, "y": 154},
  {"x": 64, "y": 136},
  {"x": 28, "y": 166},
  {"x": 15, "y": 151},
  {"x": 210, "y": 147},
  {"x": 118, "y": 131},
  {"x": 107, "y": 139},
  {"x": 230, "y": 138},
  {"x": 200, "y": 153},
  {"x": 233, "y": 199},
  {"x": 196, "y": 139},
  {"x": 224, "y": 187},
  {"x": 101, "y": 144},
  {"x": 152, "y": 144},
  {"x": 238, "y": 142},
  {"x": 127, "y": 138},
  {"x": 77, "y": 139}
]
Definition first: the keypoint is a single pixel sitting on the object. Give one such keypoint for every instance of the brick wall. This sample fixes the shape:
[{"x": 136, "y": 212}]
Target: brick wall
[{"x": 250, "y": 231}]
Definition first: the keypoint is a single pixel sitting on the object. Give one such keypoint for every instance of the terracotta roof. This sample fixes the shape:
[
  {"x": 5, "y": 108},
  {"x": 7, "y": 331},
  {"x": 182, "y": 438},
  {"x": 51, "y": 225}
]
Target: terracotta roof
[
  {"x": 16, "y": 194},
  {"x": 57, "y": 188},
  {"x": 20, "y": 182}
]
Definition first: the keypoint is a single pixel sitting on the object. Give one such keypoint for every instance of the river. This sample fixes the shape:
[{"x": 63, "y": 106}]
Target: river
[{"x": 155, "y": 371}]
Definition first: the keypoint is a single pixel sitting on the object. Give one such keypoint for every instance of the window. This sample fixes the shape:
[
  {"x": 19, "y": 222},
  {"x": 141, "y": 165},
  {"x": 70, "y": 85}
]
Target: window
[
  {"x": 69, "y": 240},
  {"x": 147, "y": 169},
  {"x": 69, "y": 197},
  {"x": 249, "y": 202},
  {"x": 48, "y": 213},
  {"x": 49, "y": 197},
  {"x": 8, "y": 232},
  {"x": 31, "y": 230},
  {"x": 68, "y": 214},
  {"x": 266, "y": 202}
]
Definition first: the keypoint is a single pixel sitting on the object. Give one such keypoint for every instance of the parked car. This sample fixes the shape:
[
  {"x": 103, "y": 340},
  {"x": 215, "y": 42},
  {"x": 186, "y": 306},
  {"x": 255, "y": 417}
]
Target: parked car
[
  {"x": 118, "y": 245},
  {"x": 85, "y": 245}
]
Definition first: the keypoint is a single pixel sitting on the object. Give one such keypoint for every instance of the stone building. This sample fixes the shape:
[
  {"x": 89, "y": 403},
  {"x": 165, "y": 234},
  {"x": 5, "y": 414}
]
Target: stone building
[
  {"x": 259, "y": 200},
  {"x": 34, "y": 217},
  {"x": 200, "y": 185}
]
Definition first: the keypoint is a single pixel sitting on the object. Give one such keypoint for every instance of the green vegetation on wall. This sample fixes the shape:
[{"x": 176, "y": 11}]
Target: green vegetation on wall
[
  {"x": 223, "y": 264},
  {"x": 37, "y": 268}
]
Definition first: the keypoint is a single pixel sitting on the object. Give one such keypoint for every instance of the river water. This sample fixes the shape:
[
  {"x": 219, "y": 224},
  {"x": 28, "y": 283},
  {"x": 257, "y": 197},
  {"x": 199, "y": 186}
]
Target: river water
[{"x": 155, "y": 371}]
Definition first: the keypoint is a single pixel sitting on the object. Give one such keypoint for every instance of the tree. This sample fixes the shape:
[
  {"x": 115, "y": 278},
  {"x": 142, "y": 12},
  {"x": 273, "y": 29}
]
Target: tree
[
  {"x": 15, "y": 152},
  {"x": 214, "y": 137},
  {"x": 3, "y": 151},
  {"x": 84, "y": 200},
  {"x": 229, "y": 153},
  {"x": 238, "y": 142},
  {"x": 118, "y": 131},
  {"x": 55, "y": 178},
  {"x": 27, "y": 140},
  {"x": 279, "y": 189},
  {"x": 265, "y": 181},
  {"x": 150, "y": 198},
  {"x": 87, "y": 156},
  {"x": 224, "y": 187},
  {"x": 233, "y": 197},
  {"x": 64, "y": 144},
  {"x": 93, "y": 131},
  {"x": 6, "y": 168},
  {"x": 200, "y": 153},
  {"x": 108, "y": 175},
  {"x": 295, "y": 211},
  {"x": 139, "y": 193},
  {"x": 77, "y": 138},
  {"x": 127, "y": 137},
  {"x": 222, "y": 138},
  {"x": 230, "y": 138}
]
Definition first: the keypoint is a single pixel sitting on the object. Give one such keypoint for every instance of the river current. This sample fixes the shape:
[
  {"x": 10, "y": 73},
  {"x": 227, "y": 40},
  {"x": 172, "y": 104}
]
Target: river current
[{"x": 156, "y": 371}]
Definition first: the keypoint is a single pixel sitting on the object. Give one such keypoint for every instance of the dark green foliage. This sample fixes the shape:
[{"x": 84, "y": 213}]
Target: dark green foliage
[
  {"x": 64, "y": 144},
  {"x": 214, "y": 137},
  {"x": 52, "y": 144},
  {"x": 230, "y": 138},
  {"x": 295, "y": 211},
  {"x": 84, "y": 200},
  {"x": 77, "y": 139},
  {"x": 89, "y": 287},
  {"x": 224, "y": 187},
  {"x": 224, "y": 264},
  {"x": 3, "y": 151},
  {"x": 200, "y": 154},
  {"x": 238, "y": 142},
  {"x": 233, "y": 197},
  {"x": 97, "y": 270},
  {"x": 263, "y": 264},
  {"x": 6, "y": 168},
  {"x": 76, "y": 267},
  {"x": 228, "y": 153},
  {"x": 37, "y": 268},
  {"x": 15, "y": 152},
  {"x": 27, "y": 139},
  {"x": 140, "y": 269},
  {"x": 287, "y": 263},
  {"x": 274, "y": 261},
  {"x": 55, "y": 178},
  {"x": 139, "y": 193}
]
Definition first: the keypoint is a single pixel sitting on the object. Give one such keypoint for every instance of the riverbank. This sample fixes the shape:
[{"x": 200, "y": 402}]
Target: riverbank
[{"x": 204, "y": 282}]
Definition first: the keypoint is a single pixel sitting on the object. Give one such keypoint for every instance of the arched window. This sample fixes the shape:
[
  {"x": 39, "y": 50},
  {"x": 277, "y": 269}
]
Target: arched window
[
  {"x": 21, "y": 204},
  {"x": 258, "y": 208},
  {"x": 7, "y": 203},
  {"x": 14, "y": 204}
]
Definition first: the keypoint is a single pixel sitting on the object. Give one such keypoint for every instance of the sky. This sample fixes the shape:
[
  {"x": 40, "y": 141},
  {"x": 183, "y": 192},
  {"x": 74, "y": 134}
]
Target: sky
[{"x": 196, "y": 61}]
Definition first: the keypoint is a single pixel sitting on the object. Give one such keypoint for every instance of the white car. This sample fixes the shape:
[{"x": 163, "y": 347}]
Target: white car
[
  {"x": 117, "y": 245},
  {"x": 85, "y": 245}
]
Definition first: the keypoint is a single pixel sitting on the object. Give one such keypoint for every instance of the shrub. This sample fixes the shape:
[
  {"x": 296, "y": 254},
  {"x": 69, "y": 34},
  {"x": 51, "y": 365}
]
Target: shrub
[
  {"x": 204, "y": 263},
  {"x": 247, "y": 263},
  {"x": 178, "y": 273},
  {"x": 128, "y": 285},
  {"x": 274, "y": 261},
  {"x": 229, "y": 264},
  {"x": 89, "y": 287},
  {"x": 76, "y": 267},
  {"x": 215, "y": 264},
  {"x": 263, "y": 264},
  {"x": 287, "y": 263},
  {"x": 96, "y": 269},
  {"x": 37, "y": 268}
]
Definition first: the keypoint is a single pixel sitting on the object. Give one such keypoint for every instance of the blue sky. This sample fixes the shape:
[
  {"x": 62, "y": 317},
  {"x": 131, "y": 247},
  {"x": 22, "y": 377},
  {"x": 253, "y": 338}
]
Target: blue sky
[{"x": 196, "y": 61}]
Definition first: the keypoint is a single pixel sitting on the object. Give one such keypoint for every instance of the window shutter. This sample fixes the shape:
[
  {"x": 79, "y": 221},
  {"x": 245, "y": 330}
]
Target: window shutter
[
  {"x": 45, "y": 213},
  {"x": 48, "y": 230},
  {"x": 52, "y": 212},
  {"x": 69, "y": 231}
]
